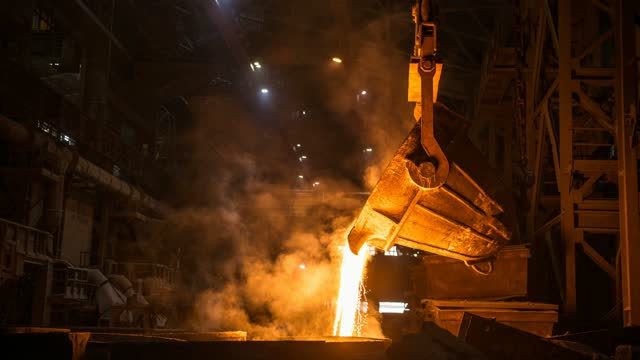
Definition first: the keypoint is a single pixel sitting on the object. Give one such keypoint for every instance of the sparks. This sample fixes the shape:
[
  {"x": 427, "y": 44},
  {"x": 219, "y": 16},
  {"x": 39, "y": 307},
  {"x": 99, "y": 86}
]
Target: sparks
[{"x": 348, "y": 303}]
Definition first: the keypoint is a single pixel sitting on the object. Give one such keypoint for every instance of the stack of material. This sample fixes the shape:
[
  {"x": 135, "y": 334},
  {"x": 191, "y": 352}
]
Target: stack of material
[{"x": 448, "y": 289}]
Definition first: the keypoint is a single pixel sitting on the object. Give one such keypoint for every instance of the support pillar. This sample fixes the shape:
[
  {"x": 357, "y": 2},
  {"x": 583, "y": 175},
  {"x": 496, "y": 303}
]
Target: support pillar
[
  {"x": 566, "y": 154},
  {"x": 95, "y": 90},
  {"x": 41, "y": 309},
  {"x": 103, "y": 230},
  {"x": 626, "y": 89}
]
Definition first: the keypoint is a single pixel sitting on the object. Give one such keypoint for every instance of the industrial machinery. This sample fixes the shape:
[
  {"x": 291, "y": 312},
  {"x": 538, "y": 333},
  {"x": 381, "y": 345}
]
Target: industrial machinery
[{"x": 438, "y": 194}]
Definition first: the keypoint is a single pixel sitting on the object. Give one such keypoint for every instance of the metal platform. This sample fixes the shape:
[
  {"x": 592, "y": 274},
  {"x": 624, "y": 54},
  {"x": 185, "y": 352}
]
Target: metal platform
[
  {"x": 41, "y": 343},
  {"x": 534, "y": 318}
]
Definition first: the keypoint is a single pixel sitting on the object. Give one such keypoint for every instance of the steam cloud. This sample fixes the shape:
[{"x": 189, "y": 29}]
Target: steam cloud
[
  {"x": 255, "y": 257},
  {"x": 259, "y": 259}
]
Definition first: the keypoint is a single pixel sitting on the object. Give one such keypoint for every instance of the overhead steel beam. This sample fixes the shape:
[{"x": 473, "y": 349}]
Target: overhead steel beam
[
  {"x": 552, "y": 27},
  {"x": 595, "y": 256},
  {"x": 537, "y": 177},
  {"x": 544, "y": 101},
  {"x": 594, "y": 45},
  {"x": 553, "y": 143},
  {"x": 608, "y": 9},
  {"x": 98, "y": 23},
  {"x": 537, "y": 54},
  {"x": 229, "y": 32}
]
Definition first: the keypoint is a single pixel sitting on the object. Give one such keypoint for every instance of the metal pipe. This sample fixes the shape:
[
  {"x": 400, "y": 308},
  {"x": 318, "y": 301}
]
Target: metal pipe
[
  {"x": 16, "y": 133},
  {"x": 118, "y": 185}
]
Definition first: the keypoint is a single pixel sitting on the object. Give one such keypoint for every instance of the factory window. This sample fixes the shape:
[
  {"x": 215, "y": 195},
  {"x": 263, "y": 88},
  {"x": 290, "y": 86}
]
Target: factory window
[
  {"x": 391, "y": 252},
  {"x": 64, "y": 138},
  {"x": 392, "y": 307},
  {"x": 43, "y": 126},
  {"x": 41, "y": 21}
]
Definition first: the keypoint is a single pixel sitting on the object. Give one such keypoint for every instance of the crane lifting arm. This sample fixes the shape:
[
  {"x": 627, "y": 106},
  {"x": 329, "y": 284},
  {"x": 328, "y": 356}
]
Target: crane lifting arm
[
  {"x": 438, "y": 193},
  {"x": 435, "y": 170}
]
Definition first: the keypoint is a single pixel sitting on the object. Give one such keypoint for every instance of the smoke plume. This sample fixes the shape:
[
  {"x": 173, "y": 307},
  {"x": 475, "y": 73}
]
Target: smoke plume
[{"x": 256, "y": 255}]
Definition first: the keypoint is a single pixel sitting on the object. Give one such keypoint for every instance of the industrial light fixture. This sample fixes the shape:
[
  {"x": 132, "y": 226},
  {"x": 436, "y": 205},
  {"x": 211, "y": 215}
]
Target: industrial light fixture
[
  {"x": 363, "y": 92},
  {"x": 317, "y": 183},
  {"x": 368, "y": 150},
  {"x": 252, "y": 67},
  {"x": 385, "y": 307},
  {"x": 257, "y": 65},
  {"x": 302, "y": 266},
  {"x": 264, "y": 90},
  {"x": 336, "y": 60},
  {"x": 298, "y": 145},
  {"x": 300, "y": 177}
]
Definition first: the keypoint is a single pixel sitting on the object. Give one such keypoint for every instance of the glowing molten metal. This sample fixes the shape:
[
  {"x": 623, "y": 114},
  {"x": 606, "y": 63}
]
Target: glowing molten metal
[{"x": 348, "y": 303}]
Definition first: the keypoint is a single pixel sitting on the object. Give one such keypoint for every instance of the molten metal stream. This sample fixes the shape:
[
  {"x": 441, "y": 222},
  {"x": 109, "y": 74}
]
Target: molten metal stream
[{"x": 348, "y": 303}]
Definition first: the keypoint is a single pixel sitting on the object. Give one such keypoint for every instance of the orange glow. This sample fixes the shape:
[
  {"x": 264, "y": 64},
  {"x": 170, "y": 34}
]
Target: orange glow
[
  {"x": 348, "y": 303},
  {"x": 337, "y": 60}
]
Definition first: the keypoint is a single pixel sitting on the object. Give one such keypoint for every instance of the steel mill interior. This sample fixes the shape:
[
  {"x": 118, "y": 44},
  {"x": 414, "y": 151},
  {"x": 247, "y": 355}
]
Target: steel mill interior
[{"x": 319, "y": 179}]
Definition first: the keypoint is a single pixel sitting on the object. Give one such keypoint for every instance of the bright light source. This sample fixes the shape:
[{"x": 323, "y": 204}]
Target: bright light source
[
  {"x": 393, "y": 251},
  {"x": 317, "y": 183},
  {"x": 257, "y": 65},
  {"x": 300, "y": 177},
  {"x": 336, "y": 60},
  {"x": 392, "y": 307},
  {"x": 264, "y": 90},
  {"x": 348, "y": 319},
  {"x": 304, "y": 112},
  {"x": 252, "y": 67},
  {"x": 298, "y": 145},
  {"x": 368, "y": 150},
  {"x": 302, "y": 266},
  {"x": 363, "y": 92}
]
